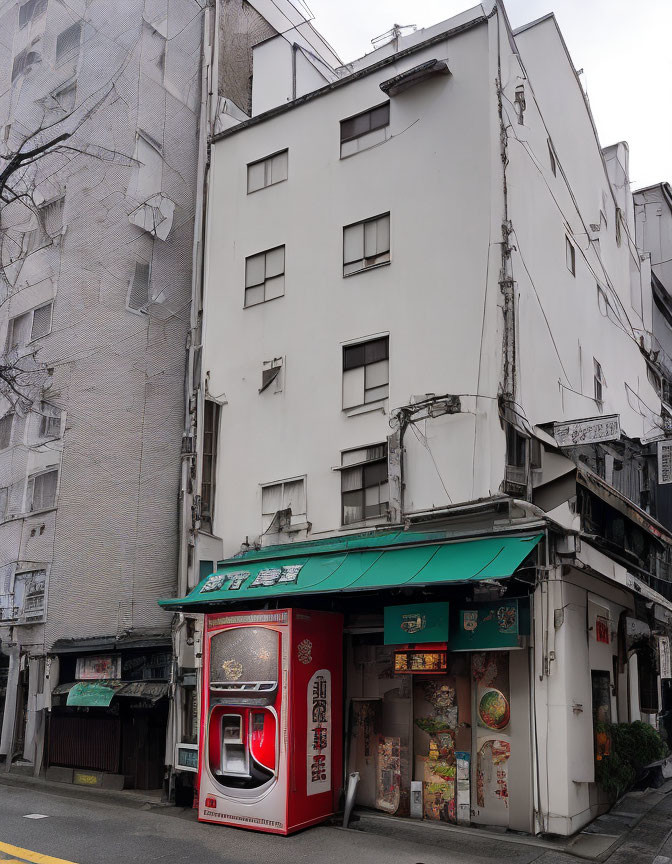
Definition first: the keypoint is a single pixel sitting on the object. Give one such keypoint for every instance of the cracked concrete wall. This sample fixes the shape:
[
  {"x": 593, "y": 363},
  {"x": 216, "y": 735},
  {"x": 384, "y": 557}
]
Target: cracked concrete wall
[{"x": 109, "y": 543}]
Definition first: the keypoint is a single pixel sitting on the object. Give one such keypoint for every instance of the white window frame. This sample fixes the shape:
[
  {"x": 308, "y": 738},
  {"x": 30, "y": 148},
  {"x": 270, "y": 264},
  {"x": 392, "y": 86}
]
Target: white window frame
[
  {"x": 47, "y": 420},
  {"x": 30, "y": 489},
  {"x": 272, "y": 167},
  {"x": 31, "y": 312},
  {"x": 350, "y": 145},
  {"x": 350, "y": 463},
  {"x": 358, "y": 377},
  {"x": 267, "y": 278},
  {"x": 299, "y": 520},
  {"x": 380, "y": 257},
  {"x": 599, "y": 383}
]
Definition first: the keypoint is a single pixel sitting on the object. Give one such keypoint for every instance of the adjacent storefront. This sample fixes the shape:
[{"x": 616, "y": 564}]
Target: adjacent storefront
[
  {"x": 107, "y": 725},
  {"x": 434, "y": 709}
]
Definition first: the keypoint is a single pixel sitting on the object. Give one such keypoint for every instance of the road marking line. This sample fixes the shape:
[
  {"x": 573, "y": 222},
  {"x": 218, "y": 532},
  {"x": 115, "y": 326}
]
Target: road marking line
[
  {"x": 35, "y": 816},
  {"x": 32, "y": 857}
]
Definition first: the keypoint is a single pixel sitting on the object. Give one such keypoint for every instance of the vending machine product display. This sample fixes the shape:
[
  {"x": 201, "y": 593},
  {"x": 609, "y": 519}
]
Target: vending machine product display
[{"x": 271, "y": 727}]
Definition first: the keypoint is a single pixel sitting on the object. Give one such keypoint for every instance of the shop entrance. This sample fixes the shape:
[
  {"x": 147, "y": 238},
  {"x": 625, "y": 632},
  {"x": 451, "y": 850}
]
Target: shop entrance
[{"x": 444, "y": 747}]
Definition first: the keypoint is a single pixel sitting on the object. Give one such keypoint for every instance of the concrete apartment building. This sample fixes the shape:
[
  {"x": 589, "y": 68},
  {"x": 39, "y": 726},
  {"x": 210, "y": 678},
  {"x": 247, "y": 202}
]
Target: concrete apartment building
[
  {"x": 100, "y": 251},
  {"x": 95, "y": 289},
  {"x": 424, "y": 376}
]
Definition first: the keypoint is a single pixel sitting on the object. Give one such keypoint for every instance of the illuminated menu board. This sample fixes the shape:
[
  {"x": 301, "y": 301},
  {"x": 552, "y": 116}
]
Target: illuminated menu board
[{"x": 428, "y": 659}]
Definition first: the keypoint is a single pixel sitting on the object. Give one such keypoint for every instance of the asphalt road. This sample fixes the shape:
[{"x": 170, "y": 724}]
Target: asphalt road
[
  {"x": 91, "y": 832},
  {"x": 78, "y": 830}
]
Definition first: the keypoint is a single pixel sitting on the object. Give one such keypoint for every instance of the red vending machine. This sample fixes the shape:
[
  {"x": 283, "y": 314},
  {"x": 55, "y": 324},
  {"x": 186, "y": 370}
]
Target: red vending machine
[{"x": 271, "y": 719}]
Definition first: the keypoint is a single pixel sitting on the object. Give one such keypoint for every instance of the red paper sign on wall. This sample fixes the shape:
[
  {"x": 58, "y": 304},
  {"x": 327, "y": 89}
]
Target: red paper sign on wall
[{"x": 602, "y": 629}]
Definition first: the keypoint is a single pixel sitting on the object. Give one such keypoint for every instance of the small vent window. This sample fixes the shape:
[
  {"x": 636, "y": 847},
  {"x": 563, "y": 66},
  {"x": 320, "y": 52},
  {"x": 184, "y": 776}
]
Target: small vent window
[
  {"x": 67, "y": 43},
  {"x": 270, "y": 373}
]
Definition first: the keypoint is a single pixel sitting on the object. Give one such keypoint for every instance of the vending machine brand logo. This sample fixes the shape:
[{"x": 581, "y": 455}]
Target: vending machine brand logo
[
  {"x": 318, "y": 743},
  {"x": 304, "y": 651}
]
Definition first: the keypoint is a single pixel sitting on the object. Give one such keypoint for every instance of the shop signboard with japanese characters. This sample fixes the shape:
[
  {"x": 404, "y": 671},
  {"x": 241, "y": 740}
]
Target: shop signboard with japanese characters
[
  {"x": 106, "y": 666},
  {"x": 318, "y": 741}
]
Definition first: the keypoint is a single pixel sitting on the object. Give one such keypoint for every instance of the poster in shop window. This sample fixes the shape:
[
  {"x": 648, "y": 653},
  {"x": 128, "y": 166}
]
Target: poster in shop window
[{"x": 318, "y": 743}]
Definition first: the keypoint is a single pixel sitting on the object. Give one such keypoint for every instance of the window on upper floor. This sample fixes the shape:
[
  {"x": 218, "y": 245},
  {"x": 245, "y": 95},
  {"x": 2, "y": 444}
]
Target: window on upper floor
[
  {"x": 267, "y": 172},
  {"x": 48, "y": 226},
  {"x": 4, "y": 497},
  {"x": 599, "y": 382},
  {"x": 364, "y": 130},
  {"x": 287, "y": 494},
  {"x": 50, "y": 421},
  {"x": 41, "y": 491},
  {"x": 67, "y": 43},
  {"x": 570, "y": 256},
  {"x": 364, "y": 484},
  {"x": 29, "y": 326},
  {"x": 211, "y": 412},
  {"x": 31, "y": 11},
  {"x": 366, "y": 372},
  {"x": 265, "y": 276},
  {"x": 6, "y": 430},
  {"x": 23, "y": 62},
  {"x": 366, "y": 244}
]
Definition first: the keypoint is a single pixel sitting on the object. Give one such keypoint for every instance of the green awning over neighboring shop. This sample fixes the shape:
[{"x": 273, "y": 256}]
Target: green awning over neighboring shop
[
  {"x": 361, "y": 563},
  {"x": 91, "y": 694}
]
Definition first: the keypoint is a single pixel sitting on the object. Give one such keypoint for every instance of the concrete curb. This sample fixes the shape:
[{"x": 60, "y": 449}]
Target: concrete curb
[{"x": 131, "y": 799}]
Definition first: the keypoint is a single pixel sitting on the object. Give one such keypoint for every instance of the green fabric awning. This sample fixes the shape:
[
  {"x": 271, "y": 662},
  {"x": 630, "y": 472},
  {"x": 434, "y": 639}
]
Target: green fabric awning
[
  {"x": 362, "y": 563},
  {"x": 93, "y": 693}
]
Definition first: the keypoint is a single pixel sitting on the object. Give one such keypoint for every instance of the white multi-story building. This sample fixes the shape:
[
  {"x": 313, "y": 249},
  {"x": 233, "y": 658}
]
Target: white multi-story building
[{"x": 425, "y": 321}]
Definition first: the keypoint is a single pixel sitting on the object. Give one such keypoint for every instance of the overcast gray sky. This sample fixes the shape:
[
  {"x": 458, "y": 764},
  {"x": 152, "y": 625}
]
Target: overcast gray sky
[{"x": 623, "y": 46}]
